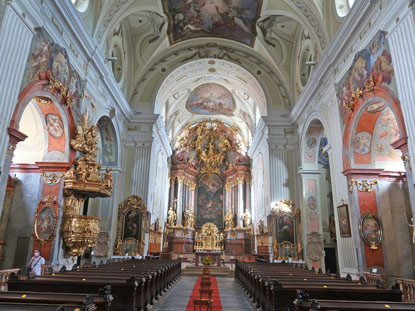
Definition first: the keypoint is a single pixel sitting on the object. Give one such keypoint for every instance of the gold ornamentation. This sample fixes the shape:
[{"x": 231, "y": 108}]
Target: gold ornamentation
[
  {"x": 189, "y": 220},
  {"x": 172, "y": 217},
  {"x": 80, "y": 232},
  {"x": 246, "y": 218},
  {"x": 86, "y": 139},
  {"x": 81, "y": 182},
  {"x": 85, "y": 177},
  {"x": 91, "y": 100},
  {"x": 210, "y": 144},
  {"x": 406, "y": 160},
  {"x": 370, "y": 85},
  {"x": 208, "y": 238},
  {"x": 52, "y": 178},
  {"x": 236, "y": 181},
  {"x": 127, "y": 243},
  {"x": 229, "y": 221},
  {"x": 187, "y": 182},
  {"x": 369, "y": 88},
  {"x": 55, "y": 84},
  {"x": 42, "y": 100},
  {"x": 363, "y": 186},
  {"x": 10, "y": 149}
]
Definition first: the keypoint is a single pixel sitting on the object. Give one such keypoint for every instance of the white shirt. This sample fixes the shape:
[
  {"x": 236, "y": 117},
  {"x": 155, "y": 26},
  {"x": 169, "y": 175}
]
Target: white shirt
[{"x": 37, "y": 263}]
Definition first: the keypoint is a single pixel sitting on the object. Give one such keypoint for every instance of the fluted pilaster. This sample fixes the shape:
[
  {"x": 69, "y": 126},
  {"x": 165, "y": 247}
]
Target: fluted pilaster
[
  {"x": 15, "y": 41},
  {"x": 402, "y": 48},
  {"x": 141, "y": 170},
  {"x": 279, "y": 175}
]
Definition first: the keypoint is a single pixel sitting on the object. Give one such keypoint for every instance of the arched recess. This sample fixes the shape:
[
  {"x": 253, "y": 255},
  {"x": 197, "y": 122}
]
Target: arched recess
[
  {"x": 40, "y": 131},
  {"x": 317, "y": 214},
  {"x": 377, "y": 181}
]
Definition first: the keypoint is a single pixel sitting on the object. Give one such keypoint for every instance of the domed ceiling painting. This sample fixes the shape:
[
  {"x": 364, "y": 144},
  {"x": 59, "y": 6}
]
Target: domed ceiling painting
[
  {"x": 230, "y": 19},
  {"x": 211, "y": 98}
]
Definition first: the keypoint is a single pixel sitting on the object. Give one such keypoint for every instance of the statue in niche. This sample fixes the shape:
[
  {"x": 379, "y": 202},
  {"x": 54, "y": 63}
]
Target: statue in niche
[
  {"x": 261, "y": 229},
  {"x": 412, "y": 227},
  {"x": 275, "y": 249},
  {"x": 189, "y": 219},
  {"x": 246, "y": 218},
  {"x": 299, "y": 249},
  {"x": 229, "y": 223},
  {"x": 172, "y": 217}
]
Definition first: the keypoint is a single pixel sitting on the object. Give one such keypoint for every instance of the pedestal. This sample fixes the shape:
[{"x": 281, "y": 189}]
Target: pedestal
[
  {"x": 238, "y": 241},
  {"x": 180, "y": 240},
  {"x": 262, "y": 242}
]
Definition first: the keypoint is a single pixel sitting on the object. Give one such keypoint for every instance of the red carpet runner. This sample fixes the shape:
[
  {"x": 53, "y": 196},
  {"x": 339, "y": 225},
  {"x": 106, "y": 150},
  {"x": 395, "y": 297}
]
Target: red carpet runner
[{"x": 216, "y": 305}]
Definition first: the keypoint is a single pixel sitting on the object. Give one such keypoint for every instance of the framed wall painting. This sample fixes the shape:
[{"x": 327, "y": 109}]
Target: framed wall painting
[
  {"x": 344, "y": 221},
  {"x": 46, "y": 219},
  {"x": 370, "y": 228}
]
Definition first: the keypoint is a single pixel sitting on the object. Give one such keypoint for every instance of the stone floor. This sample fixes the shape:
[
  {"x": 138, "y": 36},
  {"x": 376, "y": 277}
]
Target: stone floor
[{"x": 177, "y": 298}]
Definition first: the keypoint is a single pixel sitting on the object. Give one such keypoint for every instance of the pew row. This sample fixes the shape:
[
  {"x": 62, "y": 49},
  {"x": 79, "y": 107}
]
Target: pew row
[
  {"x": 134, "y": 284},
  {"x": 274, "y": 286}
]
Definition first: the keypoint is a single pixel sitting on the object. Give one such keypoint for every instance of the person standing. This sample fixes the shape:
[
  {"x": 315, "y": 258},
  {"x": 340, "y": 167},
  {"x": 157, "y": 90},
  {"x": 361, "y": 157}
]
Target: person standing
[{"x": 36, "y": 265}]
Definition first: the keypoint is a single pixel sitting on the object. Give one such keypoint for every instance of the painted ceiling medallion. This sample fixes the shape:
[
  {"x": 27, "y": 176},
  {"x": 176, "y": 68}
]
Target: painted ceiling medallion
[
  {"x": 211, "y": 98},
  {"x": 229, "y": 19}
]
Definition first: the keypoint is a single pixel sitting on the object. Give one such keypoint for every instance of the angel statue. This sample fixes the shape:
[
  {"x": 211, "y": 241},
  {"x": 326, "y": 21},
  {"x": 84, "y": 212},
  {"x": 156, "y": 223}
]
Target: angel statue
[
  {"x": 172, "y": 217},
  {"x": 229, "y": 221},
  {"x": 246, "y": 218}
]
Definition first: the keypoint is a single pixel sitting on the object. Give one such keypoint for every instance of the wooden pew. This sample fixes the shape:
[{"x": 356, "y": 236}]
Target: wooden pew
[
  {"x": 134, "y": 284},
  {"x": 272, "y": 286},
  {"x": 304, "y": 303},
  {"x": 101, "y": 303}
]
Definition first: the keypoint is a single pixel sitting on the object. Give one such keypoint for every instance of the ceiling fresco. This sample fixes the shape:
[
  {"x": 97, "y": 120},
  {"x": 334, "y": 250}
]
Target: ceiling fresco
[
  {"x": 211, "y": 98},
  {"x": 229, "y": 19}
]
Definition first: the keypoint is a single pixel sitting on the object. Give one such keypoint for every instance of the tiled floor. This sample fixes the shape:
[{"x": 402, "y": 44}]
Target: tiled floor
[{"x": 177, "y": 298}]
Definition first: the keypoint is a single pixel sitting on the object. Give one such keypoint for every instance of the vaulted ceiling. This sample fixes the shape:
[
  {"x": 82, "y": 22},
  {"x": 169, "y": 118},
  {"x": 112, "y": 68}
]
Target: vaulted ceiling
[{"x": 271, "y": 43}]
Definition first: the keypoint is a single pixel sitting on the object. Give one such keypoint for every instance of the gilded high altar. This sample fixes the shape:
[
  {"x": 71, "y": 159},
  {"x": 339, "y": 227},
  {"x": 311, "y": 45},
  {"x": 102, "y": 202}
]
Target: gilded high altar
[{"x": 208, "y": 239}]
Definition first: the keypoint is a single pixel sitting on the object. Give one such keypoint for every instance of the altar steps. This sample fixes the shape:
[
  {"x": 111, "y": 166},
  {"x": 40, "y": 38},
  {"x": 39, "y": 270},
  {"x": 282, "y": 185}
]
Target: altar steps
[{"x": 214, "y": 271}]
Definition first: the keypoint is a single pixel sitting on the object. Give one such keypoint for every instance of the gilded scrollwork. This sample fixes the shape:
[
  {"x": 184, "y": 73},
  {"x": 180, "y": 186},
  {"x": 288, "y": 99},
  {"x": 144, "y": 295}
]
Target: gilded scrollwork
[
  {"x": 406, "y": 160},
  {"x": 82, "y": 181},
  {"x": 363, "y": 186},
  {"x": 369, "y": 88},
  {"x": 52, "y": 178}
]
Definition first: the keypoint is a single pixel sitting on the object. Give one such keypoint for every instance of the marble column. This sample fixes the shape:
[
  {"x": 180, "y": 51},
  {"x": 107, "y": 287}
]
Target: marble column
[
  {"x": 172, "y": 188},
  {"x": 240, "y": 203},
  {"x": 402, "y": 48},
  {"x": 141, "y": 170},
  {"x": 179, "y": 211}
]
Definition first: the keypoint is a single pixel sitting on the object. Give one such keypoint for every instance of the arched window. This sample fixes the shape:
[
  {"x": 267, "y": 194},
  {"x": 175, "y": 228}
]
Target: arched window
[
  {"x": 343, "y": 7},
  {"x": 80, "y": 5}
]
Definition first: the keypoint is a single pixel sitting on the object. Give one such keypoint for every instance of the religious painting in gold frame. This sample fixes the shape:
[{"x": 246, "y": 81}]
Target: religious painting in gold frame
[
  {"x": 133, "y": 220},
  {"x": 46, "y": 219},
  {"x": 344, "y": 221},
  {"x": 370, "y": 228},
  {"x": 210, "y": 200},
  {"x": 285, "y": 229}
]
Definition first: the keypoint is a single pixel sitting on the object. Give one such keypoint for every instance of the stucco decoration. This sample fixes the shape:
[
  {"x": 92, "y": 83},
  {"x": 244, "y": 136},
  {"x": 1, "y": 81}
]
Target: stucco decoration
[{"x": 315, "y": 246}]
